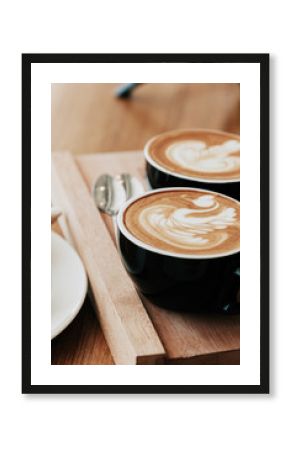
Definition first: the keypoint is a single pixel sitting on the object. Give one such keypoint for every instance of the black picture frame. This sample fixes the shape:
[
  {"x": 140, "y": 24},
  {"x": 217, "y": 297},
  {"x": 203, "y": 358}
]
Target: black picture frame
[{"x": 263, "y": 61}]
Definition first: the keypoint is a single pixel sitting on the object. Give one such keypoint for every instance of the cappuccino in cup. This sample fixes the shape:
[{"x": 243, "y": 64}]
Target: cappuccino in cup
[
  {"x": 206, "y": 159},
  {"x": 186, "y": 223},
  {"x": 181, "y": 247}
]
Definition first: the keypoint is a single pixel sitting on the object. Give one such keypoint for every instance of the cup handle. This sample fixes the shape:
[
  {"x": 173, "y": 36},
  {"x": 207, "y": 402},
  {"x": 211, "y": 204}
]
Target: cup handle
[{"x": 233, "y": 307}]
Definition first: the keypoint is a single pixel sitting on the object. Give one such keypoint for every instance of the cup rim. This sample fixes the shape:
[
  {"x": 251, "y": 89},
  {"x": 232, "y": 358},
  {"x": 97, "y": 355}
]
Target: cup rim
[
  {"x": 157, "y": 166},
  {"x": 123, "y": 229}
]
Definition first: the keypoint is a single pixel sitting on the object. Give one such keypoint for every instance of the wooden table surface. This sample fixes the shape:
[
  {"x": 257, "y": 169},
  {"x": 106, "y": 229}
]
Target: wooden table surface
[{"x": 87, "y": 118}]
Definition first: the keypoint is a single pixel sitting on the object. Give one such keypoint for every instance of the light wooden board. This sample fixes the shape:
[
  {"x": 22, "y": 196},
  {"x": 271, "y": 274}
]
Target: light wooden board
[
  {"x": 187, "y": 338},
  {"x": 127, "y": 328}
]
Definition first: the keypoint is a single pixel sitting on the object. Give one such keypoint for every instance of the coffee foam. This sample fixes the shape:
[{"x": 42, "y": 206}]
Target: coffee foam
[
  {"x": 205, "y": 155},
  {"x": 186, "y": 222}
]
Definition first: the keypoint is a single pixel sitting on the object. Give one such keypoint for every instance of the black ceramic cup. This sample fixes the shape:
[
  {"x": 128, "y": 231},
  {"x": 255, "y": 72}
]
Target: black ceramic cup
[
  {"x": 180, "y": 282},
  {"x": 160, "y": 176}
]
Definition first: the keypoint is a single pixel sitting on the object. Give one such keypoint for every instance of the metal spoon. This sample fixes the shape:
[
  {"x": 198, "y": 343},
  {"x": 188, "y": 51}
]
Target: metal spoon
[
  {"x": 126, "y": 180},
  {"x": 103, "y": 192}
]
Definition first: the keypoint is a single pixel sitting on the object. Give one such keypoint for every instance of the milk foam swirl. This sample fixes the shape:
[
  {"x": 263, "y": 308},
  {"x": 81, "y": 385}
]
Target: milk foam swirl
[
  {"x": 185, "y": 223},
  {"x": 197, "y": 156}
]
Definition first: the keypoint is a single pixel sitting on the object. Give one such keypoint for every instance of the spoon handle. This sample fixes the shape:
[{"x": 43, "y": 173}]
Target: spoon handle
[
  {"x": 127, "y": 183},
  {"x": 103, "y": 192}
]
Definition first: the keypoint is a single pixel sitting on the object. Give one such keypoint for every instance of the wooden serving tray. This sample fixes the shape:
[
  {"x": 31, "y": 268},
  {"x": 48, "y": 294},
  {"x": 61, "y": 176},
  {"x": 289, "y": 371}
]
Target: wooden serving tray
[{"x": 137, "y": 332}]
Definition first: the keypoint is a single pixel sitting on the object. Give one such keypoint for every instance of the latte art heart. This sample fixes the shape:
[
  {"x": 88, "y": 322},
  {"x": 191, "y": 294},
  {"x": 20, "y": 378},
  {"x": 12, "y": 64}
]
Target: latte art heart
[
  {"x": 195, "y": 155},
  {"x": 204, "y": 154},
  {"x": 186, "y": 222}
]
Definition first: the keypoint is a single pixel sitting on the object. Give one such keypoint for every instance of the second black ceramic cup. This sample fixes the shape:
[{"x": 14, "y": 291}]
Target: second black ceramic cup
[
  {"x": 180, "y": 282},
  {"x": 208, "y": 159}
]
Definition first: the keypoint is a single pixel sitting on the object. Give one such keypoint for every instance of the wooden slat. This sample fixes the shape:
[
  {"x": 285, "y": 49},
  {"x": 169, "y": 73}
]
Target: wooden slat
[
  {"x": 127, "y": 328},
  {"x": 187, "y": 338}
]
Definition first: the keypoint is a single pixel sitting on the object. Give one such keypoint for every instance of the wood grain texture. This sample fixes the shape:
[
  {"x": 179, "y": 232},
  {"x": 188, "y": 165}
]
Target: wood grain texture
[
  {"x": 128, "y": 330},
  {"x": 88, "y": 118},
  {"x": 82, "y": 342},
  {"x": 184, "y": 336}
]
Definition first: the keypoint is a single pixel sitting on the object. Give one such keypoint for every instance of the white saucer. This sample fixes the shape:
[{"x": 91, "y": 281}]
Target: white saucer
[{"x": 69, "y": 284}]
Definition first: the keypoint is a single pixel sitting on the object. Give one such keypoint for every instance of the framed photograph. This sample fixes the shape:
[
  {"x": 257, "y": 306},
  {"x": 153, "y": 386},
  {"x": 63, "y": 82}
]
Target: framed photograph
[{"x": 151, "y": 274}]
